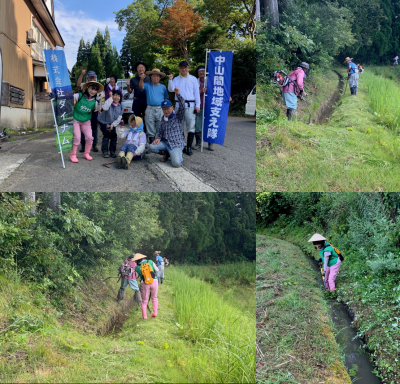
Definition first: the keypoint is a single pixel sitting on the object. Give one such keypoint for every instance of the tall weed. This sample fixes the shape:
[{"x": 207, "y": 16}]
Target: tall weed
[{"x": 226, "y": 336}]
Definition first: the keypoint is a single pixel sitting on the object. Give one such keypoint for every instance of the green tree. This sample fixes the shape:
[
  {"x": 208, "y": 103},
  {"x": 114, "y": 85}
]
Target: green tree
[{"x": 95, "y": 62}]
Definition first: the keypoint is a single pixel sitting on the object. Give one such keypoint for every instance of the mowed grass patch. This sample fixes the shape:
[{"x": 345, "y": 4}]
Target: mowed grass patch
[
  {"x": 352, "y": 152},
  {"x": 295, "y": 340}
]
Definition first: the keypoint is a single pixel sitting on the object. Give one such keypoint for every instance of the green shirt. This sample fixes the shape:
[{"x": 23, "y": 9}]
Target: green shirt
[
  {"x": 84, "y": 108},
  {"x": 139, "y": 270},
  {"x": 333, "y": 256}
]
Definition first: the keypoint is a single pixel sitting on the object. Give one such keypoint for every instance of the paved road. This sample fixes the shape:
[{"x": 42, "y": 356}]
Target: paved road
[{"x": 35, "y": 165}]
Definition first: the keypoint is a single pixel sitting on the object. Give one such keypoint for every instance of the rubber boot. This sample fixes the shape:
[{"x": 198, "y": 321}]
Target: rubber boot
[
  {"x": 198, "y": 140},
  {"x": 86, "y": 155},
  {"x": 120, "y": 295},
  {"x": 288, "y": 114},
  {"x": 161, "y": 279},
  {"x": 104, "y": 147},
  {"x": 121, "y": 155},
  {"x": 144, "y": 311},
  {"x": 72, "y": 156},
  {"x": 155, "y": 307},
  {"x": 128, "y": 159},
  {"x": 189, "y": 143},
  {"x": 137, "y": 297},
  {"x": 210, "y": 146}
]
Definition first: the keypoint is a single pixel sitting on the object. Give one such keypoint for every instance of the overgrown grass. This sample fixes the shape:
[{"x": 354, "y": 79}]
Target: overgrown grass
[
  {"x": 294, "y": 333},
  {"x": 40, "y": 344},
  {"x": 353, "y": 151},
  {"x": 374, "y": 298}
]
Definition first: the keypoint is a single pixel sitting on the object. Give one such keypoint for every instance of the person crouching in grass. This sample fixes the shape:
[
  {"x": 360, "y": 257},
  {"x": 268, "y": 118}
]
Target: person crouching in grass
[
  {"x": 109, "y": 120},
  {"x": 171, "y": 137},
  {"x": 135, "y": 144}
]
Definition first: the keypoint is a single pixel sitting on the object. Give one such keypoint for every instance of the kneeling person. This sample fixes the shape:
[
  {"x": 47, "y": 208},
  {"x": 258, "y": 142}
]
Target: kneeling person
[
  {"x": 135, "y": 144},
  {"x": 171, "y": 137}
]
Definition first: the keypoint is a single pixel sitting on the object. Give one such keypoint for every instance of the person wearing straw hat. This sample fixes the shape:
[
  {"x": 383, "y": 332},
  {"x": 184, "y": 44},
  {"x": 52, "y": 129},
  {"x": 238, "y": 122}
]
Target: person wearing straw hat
[
  {"x": 293, "y": 88},
  {"x": 148, "y": 283},
  {"x": 109, "y": 120},
  {"x": 189, "y": 87},
  {"x": 352, "y": 73},
  {"x": 330, "y": 259},
  {"x": 156, "y": 93},
  {"x": 135, "y": 144},
  {"x": 171, "y": 137},
  {"x": 129, "y": 276},
  {"x": 91, "y": 76},
  {"x": 86, "y": 103}
]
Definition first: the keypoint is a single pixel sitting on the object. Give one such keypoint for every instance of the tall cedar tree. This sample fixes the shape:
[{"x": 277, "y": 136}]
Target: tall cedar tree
[{"x": 179, "y": 27}]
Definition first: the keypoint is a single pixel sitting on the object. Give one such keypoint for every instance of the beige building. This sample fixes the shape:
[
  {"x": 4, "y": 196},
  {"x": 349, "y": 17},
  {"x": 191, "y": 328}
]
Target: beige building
[{"x": 25, "y": 25}]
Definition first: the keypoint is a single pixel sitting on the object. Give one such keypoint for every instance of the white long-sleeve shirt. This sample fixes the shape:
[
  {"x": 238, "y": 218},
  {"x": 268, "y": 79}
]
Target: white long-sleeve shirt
[{"x": 189, "y": 89}]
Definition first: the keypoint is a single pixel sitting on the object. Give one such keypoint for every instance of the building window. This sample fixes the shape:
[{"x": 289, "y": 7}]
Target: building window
[{"x": 41, "y": 42}]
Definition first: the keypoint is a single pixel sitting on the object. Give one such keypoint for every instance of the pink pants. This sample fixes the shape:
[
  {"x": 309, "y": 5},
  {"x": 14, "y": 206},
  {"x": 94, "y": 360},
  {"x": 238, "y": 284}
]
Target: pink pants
[
  {"x": 330, "y": 276},
  {"x": 86, "y": 128},
  {"x": 146, "y": 288}
]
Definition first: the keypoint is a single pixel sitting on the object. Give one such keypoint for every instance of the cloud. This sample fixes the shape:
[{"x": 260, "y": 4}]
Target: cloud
[{"x": 76, "y": 24}]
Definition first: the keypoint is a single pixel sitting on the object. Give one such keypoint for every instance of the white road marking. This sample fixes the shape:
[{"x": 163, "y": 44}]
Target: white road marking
[
  {"x": 183, "y": 179},
  {"x": 9, "y": 163}
]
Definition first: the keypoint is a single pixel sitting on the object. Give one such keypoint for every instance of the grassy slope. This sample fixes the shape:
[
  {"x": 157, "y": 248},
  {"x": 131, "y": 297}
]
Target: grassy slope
[
  {"x": 374, "y": 301},
  {"x": 352, "y": 152},
  {"x": 51, "y": 347},
  {"x": 294, "y": 332}
]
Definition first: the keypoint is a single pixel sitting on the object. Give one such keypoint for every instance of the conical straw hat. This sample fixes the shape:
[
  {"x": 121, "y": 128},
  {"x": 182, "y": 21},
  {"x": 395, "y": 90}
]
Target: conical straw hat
[{"x": 316, "y": 237}]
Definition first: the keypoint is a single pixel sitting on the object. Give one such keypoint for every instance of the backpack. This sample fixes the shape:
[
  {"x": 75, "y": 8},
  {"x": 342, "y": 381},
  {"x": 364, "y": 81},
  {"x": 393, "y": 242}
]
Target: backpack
[
  {"x": 147, "y": 272},
  {"x": 125, "y": 270},
  {"x": 341, "y": 257}
]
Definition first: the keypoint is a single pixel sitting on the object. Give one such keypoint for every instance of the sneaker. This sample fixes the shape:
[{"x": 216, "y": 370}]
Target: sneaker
[
  {"x": 113, "y": 154},
  {"x": 106, "y": 155}
]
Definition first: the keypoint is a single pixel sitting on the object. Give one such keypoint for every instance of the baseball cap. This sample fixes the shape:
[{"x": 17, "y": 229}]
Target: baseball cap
[
  {"x": 166, "y": 103},
  {"x": 183, "y": 63},
  {"x": 91, "y": 74}
]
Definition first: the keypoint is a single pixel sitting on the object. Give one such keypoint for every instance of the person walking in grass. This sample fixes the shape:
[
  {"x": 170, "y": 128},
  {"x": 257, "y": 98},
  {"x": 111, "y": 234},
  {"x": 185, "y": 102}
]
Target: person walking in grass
[
  {"x": 160, "y": 265},
  {"x": 352, "y": 73},
  {"x": 129, "y": 276},
  {"x": 294, "y": 88},
  {"x": 330, "y": 259},
  {"x": 146, "y": 270},
  {"x": 396, "y": 60}
]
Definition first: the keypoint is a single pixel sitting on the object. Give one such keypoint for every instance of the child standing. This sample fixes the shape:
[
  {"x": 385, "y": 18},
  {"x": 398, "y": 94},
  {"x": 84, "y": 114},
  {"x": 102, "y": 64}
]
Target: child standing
[
  {"x": 109, "y": 120},
  {"x": 85, "y": 104},
  {"x": 135, "y": 144}
]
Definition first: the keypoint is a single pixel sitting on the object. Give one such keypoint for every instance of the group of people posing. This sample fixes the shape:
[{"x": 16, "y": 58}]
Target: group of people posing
[
  {"x": 149, "y": 273},
  {"x": 295, "y": 86},
  {"x": 154, "y": 117}
]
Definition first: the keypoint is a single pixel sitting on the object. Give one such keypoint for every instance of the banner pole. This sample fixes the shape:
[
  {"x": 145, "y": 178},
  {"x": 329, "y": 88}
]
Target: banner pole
[
  {"x": 204, "y": 102},
  {"x": 52, "y": 107}
]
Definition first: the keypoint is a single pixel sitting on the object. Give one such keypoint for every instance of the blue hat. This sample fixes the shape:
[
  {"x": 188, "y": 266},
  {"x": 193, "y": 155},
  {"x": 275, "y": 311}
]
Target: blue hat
[
  {"x": 91, "y": 74},
  {"x": 166, "y": 103}
]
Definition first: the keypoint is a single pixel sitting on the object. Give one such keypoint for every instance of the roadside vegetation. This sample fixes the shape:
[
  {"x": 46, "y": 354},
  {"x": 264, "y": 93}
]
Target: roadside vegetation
[
  {"x": 365, "y": 227},
  {"x": 295, "y": 339},
  {"x": 356, "y": 149}
]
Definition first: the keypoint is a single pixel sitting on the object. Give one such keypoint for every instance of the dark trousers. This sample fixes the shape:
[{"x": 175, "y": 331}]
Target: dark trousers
[
  {"x": 109, "y": 139},
  {"x": 93, "y": 122},
  {"x": 139, "y": 108}
]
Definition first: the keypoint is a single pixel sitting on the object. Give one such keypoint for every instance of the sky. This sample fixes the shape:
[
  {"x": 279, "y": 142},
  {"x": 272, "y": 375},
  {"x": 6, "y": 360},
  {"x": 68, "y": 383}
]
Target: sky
[{"x": 81, "y": 18}]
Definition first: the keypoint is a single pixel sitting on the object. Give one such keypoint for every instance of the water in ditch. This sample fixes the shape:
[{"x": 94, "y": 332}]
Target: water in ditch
[{"x": 357, "y": 362}]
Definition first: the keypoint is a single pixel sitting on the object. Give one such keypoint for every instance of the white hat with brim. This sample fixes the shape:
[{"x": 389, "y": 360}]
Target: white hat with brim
[
  {"x": 89, "y": 83},
  {"x": 316, "y": 237},
  {"x": 156, "y": 71},
  {"x": 139, "y": 256}
]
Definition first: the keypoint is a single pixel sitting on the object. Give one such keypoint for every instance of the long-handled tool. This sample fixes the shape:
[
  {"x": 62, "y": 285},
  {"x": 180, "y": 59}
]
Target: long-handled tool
[{"x": 309, "y": 113}]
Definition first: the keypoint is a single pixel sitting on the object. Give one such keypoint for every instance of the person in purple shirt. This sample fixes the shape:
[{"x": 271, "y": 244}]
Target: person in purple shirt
[
  {"x": 130, "y": 279},
  {"x": 111, "y": 86}
]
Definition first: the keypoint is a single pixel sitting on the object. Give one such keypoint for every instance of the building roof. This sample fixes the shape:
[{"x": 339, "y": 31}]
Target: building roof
[{"x": 48, "y": 21}]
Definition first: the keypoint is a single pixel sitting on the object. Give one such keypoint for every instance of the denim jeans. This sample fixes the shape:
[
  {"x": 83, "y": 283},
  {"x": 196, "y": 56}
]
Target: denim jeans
[
  {"x": 153, "y": 120},
  {"x": 132, "y": 283},
  {"x": 190, "y": 119},
  {"x": 176, "y": 153}
]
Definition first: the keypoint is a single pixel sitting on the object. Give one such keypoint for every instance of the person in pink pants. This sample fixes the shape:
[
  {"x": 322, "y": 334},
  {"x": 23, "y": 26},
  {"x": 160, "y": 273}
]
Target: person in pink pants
[
  {"x": 147, "y": 289},
  {"x": 330, "y": 276}
]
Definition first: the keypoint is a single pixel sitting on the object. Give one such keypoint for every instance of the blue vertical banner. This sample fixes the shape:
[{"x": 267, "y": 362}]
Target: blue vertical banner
[
  {"x": 63, "y": 96},
  {"x": 217, "y": 96}
]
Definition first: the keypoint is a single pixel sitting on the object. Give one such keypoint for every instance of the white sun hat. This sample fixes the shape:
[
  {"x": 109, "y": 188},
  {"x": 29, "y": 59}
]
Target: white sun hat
[{"x": 316, "y": 237}]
